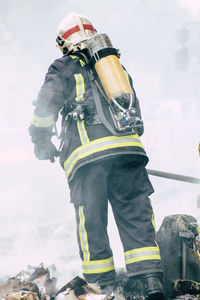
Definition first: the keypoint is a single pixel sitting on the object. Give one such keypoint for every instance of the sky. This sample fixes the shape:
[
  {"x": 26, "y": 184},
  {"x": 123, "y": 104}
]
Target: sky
[{"x": 37, "y": 219}]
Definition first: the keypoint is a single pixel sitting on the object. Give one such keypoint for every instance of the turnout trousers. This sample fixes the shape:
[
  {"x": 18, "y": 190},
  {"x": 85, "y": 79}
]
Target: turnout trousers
[{"x": 124, "y": 182}]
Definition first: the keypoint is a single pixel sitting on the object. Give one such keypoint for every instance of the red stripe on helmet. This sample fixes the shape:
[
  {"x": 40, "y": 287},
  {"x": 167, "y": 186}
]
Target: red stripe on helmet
[
  {"x": 76, "y": 29},
  {"x": 88, "y": 27},
  {"x": 70, "y": 32}
]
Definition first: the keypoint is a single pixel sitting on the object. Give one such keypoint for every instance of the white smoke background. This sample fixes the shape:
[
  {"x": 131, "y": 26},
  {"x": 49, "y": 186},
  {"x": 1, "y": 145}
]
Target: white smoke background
[{"x": 37, "y": 219}]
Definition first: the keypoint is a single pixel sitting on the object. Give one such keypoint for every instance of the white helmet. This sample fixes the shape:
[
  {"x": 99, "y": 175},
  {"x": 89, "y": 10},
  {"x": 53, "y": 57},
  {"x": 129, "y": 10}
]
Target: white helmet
[{"x": 73, "y": 30}]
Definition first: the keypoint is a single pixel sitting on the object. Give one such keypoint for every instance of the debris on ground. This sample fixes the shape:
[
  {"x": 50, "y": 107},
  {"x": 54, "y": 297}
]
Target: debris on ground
[
  {"x": 34, "y": 284},
  {"x": 179, "y": 242}
]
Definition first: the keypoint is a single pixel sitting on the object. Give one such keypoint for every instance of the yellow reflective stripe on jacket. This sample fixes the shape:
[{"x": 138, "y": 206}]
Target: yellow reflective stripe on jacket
[
  {"x": 82, "y": 132},
  {"x": 83, "y": 235},
  {"x": 99, "y": 145},
  {"x": 80, "y": 60},
  {"x": 80, "y": 87},
  {"x": 80, "y": 90},
  {"x": 43, "y": 121},
  {"x": 140, "y": 254},
  {"x": 98, "y": 266}
]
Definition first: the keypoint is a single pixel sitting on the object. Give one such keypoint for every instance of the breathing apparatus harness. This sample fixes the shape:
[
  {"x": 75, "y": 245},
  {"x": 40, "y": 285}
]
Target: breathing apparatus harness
[
  {"x": 118, "y": 93},
  {"x": 101, "y": 58}
]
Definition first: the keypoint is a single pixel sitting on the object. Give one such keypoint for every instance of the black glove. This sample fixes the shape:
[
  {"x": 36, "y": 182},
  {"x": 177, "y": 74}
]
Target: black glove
[{"x": 46, "y": 151}]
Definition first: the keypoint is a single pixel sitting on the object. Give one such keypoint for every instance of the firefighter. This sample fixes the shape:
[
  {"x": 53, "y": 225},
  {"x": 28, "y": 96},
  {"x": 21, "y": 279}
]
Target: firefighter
[{"x": 101, "y": 162}]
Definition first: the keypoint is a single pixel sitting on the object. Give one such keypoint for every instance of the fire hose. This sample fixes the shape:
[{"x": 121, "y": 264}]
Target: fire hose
[{"x": 173, "y": 176}]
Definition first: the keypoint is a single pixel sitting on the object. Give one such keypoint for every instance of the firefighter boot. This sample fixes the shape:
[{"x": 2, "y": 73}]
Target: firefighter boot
[{"x": 154, "y": 288}]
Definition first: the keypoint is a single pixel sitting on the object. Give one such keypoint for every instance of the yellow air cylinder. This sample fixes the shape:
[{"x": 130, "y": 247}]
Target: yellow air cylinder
[
  {"x": 107, "y": 65},
  {"x": 112, "y": 77}
]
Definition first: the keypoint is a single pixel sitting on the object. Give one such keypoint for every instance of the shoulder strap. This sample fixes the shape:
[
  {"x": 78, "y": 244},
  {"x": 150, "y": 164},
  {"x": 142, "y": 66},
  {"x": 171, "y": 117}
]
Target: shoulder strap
[{"x": 99, "y": 107}]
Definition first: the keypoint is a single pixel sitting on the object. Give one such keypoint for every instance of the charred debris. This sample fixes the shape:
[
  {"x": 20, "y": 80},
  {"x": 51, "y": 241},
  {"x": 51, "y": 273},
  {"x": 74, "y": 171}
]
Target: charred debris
[{"x": 179, "y": 242}]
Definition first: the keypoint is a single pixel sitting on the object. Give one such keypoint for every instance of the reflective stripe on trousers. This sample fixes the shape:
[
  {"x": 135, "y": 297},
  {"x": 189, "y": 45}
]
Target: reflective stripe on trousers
[
  {"x": 83, "y": 235},
  {"x": 141, "y": 254},
  {"x": 98, "y": 266},
  {"x": 88, "y": 266}
]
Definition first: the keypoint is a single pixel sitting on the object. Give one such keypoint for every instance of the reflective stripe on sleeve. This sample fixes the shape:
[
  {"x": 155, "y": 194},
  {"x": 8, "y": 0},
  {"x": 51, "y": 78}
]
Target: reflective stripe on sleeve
[
  {"x": 83, "y": 235},
  {"x": 140, "y": 254},
  {"x": 43, "y": 121},
  {"x": 98, "y": 266},
  {"x": 99, "y": 145}
]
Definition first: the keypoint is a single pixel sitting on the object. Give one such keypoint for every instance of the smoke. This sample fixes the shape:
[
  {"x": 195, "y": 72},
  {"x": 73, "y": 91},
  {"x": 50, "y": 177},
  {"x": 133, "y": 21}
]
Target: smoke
[{"x": 37, "y": 219}]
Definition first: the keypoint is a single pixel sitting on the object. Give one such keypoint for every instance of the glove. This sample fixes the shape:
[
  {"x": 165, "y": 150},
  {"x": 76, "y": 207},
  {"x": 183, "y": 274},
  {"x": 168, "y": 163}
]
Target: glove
[{"x": 46, "y": 151}]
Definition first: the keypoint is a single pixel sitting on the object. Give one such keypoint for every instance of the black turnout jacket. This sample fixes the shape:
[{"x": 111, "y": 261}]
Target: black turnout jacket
[{"x": 67, "y": 84}]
